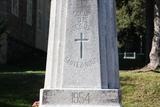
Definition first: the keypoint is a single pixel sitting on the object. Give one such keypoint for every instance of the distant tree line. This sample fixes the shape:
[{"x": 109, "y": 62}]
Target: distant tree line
[
  {"x": 131, "y": 24},
  {"x": 136, "y": 19}
]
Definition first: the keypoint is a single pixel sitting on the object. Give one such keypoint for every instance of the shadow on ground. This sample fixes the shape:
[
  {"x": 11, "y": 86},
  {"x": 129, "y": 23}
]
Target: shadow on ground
[
  {"x": 21, "y": 80},
  {"x": 20, "y": 90},
  {"x": 35, "y": 61}
]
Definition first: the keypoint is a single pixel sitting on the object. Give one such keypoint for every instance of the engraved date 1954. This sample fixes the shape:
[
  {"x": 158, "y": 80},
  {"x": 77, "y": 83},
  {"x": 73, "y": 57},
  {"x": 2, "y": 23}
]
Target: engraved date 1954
[{"x": 80, "y": 98}]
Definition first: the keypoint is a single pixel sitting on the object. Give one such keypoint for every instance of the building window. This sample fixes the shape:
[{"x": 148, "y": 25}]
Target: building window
[
  {"x": 40, "y": 15},
  {"x": 15, "y": 7},
  {"x": 29, "y": 12},
  {"x": 39, "y": 20}
]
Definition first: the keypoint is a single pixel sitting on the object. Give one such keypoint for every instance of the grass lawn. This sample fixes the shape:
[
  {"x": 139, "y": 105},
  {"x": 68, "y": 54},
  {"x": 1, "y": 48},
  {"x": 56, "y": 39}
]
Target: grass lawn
[
  {"x": 22, "y": 89},
  {"x": 140, "y": 89}
]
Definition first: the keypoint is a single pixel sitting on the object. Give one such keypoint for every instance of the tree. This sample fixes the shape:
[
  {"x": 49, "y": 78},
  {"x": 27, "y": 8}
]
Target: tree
[
  {"x": 155, "y": 50},
  {"x": 131, "y": 25},
  {"x": 149, "y": 5}
]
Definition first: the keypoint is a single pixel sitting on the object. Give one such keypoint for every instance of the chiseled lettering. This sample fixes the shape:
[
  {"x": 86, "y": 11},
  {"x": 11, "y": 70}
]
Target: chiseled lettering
[
  {"x": 80, "y": 98},
  {"x": 80, "y": 64}
]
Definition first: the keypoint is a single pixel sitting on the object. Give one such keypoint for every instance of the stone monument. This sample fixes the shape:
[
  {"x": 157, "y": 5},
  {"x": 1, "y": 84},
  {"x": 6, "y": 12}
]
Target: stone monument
[{"x": 82, "y": 61}]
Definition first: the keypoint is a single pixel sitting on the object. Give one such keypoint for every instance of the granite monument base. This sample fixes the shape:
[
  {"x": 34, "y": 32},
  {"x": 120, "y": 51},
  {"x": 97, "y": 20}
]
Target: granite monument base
[{"x": 80, "y": 98}]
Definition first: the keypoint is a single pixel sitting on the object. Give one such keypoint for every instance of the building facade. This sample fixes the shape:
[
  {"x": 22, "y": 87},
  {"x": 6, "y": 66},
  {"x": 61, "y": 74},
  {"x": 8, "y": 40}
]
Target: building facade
[{"x": 27, "y": 26}]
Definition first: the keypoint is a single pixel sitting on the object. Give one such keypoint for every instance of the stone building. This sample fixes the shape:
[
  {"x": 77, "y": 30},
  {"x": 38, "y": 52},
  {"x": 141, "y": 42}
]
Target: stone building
[{"x": 27, "y": 27}]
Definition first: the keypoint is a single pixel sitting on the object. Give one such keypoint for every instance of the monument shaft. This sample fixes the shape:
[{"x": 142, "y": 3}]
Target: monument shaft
[{"x": 82, "y": 60}]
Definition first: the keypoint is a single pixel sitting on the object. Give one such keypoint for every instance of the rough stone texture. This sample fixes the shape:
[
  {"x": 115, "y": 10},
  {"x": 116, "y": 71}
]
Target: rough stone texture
[
  {"x": 82, "y": 54},
  {"x": 80, "y": 97}
]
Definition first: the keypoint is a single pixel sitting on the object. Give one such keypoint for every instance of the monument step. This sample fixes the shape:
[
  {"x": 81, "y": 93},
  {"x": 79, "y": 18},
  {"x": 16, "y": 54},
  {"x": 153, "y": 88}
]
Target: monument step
[
  {"x": 80, "y": 97},
  {"x": 108, "y": 105}
]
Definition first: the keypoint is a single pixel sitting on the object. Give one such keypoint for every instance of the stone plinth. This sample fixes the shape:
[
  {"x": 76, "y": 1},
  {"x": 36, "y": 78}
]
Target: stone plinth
[{"x": 80, "y": 97}]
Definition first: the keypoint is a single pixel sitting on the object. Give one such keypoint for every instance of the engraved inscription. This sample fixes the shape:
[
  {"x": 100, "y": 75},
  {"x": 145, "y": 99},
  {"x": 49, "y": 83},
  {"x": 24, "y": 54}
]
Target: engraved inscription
[
  {"x": 83, "y": 19},
  {"x": 83, "y": 97},
  {"x": 47, "y": 96},
  {"x": 80, "y": 98},
  {"x": 82, "y": 23},
  {"x": 80, "y": 26},
  {"x": 81, "y": 12},
  {"x": 80, "y": 64},
  {"x": 80, "y": 6}
]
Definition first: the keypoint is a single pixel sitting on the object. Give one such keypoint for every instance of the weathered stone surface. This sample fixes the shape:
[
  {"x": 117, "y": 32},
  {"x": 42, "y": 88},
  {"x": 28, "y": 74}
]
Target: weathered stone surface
[
  {"x": 80, "y": 97},
  {"x": 82, "y": 62},
  {"x": 82, "y": 57}
]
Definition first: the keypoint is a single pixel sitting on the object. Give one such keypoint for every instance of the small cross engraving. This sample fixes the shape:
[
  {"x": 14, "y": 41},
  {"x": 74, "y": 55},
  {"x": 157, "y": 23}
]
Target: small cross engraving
[{"x": 81, "y": 40}]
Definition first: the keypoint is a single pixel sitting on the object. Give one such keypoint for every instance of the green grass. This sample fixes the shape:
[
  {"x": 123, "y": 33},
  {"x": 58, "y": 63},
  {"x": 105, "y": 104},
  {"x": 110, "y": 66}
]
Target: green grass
[
  {"x": 140, "y": 89},
  {"x": 22, "y": 89}
]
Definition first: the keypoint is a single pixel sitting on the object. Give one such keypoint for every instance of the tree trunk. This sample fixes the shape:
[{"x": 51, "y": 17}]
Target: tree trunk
[
  {"x": 150, "y": 27},
  {"x": 155, "y": 51}
]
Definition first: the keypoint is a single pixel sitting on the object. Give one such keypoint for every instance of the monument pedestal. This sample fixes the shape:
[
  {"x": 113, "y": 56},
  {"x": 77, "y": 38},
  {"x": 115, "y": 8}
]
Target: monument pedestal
[
  {"x": 82, "y": 61},
  {"x": 80, "y": 98}
]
